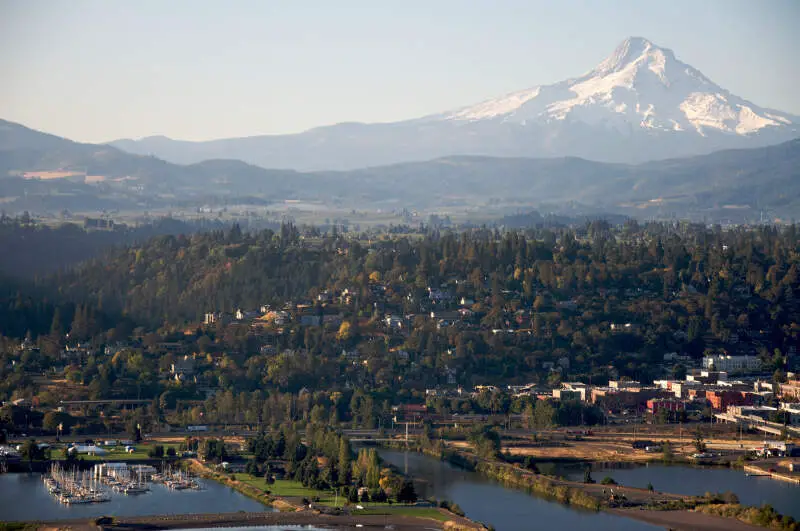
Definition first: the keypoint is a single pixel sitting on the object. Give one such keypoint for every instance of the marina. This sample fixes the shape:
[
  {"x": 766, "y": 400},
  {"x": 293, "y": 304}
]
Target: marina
[
  {"x": 176, "y": 480},
  {"x": 27, "y": 496},
  {"x": 94, "y": 486},
  {"x": 74, "y": 487}
]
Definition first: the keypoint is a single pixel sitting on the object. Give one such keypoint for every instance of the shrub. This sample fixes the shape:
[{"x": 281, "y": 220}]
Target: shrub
[
  {"x": 608, "y": 480},
  {"x": 156, "y": 452}
]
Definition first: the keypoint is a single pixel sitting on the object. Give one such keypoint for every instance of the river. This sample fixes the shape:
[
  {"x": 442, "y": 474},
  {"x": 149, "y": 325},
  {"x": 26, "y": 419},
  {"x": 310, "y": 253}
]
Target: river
[
  {"x": 783, "y": 496},
  {"x": 491, "y": 503},
  {"x": 24, "y": 497}
]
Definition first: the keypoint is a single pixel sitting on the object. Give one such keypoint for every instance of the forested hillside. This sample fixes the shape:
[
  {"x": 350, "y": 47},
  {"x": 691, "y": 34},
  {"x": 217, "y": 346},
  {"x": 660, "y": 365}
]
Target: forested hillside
[
  {"x": 36, "y": 249},
  {"x": 402, "y": 313},
  {"x": 562, "y": 286},
  {"x": 727, "y": 185}
]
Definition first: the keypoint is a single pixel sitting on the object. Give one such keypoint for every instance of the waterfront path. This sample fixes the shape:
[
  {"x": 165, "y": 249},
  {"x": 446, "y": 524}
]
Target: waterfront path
[{"x": 242, "y": 519}]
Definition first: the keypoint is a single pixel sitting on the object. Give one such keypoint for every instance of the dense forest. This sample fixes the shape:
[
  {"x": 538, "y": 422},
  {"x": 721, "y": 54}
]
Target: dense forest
[
  {"x": 36, "y": 249},
  {"x": 376, "y": 320}
]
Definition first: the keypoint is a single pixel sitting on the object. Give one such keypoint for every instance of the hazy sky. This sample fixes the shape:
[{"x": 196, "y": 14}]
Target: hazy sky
[{"x": 97, "y": 70}]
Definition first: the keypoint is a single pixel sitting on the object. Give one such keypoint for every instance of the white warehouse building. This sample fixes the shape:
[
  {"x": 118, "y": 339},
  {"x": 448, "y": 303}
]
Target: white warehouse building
[{"x": 731, "y": 363}]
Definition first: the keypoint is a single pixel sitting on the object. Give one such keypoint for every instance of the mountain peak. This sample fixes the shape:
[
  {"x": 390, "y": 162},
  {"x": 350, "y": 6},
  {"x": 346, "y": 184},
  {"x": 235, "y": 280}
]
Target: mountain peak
[{"x": 633, "y": 50}]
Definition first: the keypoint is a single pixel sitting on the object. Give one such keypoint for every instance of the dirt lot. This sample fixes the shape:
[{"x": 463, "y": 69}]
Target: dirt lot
[
  {"x": 686, "y": 520},
  {"x": 589, "y": 450}
]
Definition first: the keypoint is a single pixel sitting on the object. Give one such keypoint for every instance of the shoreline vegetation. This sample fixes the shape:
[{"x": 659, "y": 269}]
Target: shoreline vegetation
[
  {"x": 764, "y": 516},
  {"x": 677, "y": 511}
]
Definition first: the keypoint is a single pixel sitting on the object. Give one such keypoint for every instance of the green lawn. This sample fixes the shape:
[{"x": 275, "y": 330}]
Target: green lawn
[
  {"x": 116, "y": 453},
  {"x": 286, "y": 488}
]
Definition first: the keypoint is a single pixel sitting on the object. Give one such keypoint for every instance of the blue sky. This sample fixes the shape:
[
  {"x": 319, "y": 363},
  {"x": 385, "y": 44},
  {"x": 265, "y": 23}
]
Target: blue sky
[{"x": 97, "y": 70}]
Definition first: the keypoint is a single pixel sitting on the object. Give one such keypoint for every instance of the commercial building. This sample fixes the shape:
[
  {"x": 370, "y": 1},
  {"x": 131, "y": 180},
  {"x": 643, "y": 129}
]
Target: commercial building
[
  {"x": 791, "y": 390},
  {"x": 654, "y": 405},
  {"x": 726, "y": 363}
]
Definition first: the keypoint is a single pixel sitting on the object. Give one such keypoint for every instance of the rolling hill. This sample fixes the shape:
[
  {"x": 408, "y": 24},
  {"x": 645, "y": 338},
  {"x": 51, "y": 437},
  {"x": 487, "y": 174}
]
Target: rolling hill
[{"x": 766, "y": 178}]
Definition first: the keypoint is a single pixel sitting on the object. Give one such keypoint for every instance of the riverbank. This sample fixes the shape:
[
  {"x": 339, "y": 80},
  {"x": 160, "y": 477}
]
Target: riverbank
[
  {"x": 775, "y": 471},
  {"x": 592, "y": 496},
  {"x": 194, "y": 466},
  {"x": 677, "y": 511},
  {"x": 401, "y": 522},
  {"x": 686, "y": 520}
]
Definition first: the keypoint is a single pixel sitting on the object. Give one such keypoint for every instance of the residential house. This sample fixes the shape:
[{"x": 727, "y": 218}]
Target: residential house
[
  {"x": 310, "y": 320},
  {"x": 567, "y": 394},
  {"x": 182, "y": 368},
  {"x": 332, "y": 320},
  {"x": 394, "y": 322},
  {"x": 437, "y": 295}
]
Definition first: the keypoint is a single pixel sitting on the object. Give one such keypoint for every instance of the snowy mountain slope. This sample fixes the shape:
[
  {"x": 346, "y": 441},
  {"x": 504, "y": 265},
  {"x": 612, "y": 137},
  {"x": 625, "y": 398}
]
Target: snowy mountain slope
[
  {"x": 641, "y": 103},
  {"x": 639, "y": 85}
]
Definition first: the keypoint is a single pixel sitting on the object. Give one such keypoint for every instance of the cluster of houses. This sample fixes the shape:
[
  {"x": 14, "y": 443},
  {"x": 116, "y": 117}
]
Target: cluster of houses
[
  {"x": 770, "y": 407},
  {"x": 747, "y": 399}
]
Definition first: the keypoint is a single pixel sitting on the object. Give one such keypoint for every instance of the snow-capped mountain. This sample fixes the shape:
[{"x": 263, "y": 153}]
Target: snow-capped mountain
[
  {"x": 640, "y": 103},
  {"x": 640, "y": 85}
]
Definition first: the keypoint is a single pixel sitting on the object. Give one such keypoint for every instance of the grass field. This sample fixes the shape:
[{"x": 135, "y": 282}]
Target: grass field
[
  {"x": 116, "y": 453},
  {"x": 287, "y": 488},
  {"x": 294, "y": 489}
]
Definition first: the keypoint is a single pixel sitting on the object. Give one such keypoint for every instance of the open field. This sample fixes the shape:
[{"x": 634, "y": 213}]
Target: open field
[
  {"x": 686, "y": 520},
  {"x": 47, "y": 175},
  {"x": 595, "y": 451},
  {"x": 286, "y": 488},
  {"x": 117, "y": 453}
]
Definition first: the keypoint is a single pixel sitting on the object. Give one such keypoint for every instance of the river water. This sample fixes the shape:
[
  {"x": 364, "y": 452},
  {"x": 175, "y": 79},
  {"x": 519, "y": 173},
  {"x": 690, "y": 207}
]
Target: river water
[
  {"x": 783, "y": 496},
  {"x": 24, "y": 497},
  {"x": 491, "y": 503}
]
